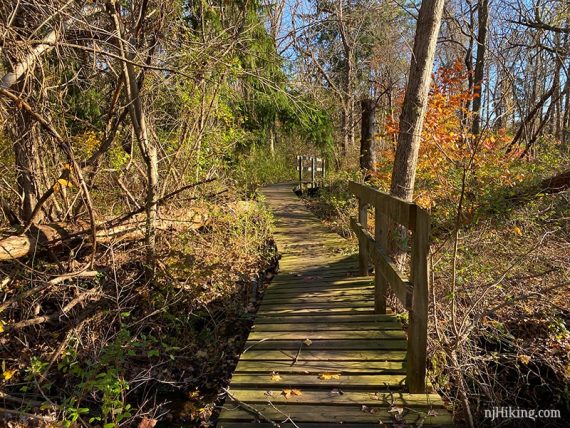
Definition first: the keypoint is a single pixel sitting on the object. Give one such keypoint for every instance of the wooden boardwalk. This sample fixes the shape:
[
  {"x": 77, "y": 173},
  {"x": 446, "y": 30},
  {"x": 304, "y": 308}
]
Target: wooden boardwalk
[{"x": 318, "y": 355}]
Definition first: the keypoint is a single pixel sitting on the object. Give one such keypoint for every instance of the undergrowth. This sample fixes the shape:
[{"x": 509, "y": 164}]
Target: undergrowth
[
  {"x": 132, "y": 350},
  {"x": 507, "y": 342}
]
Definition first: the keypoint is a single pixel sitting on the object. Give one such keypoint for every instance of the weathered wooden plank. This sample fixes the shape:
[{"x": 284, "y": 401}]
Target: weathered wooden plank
[
  {"x": 315, "y": 295},
  {"x": 316, "y": 305},
  {"x": 365, "y": 290},
  {"x": 327, "y": 334},
  {"x": 316, "y": 367},
  {"x": 224, "y": 424},
  {"x": 316, "y": 262},
  {"x": 327, "y": 258},
  {"x": 338, "y": 271},
  {"x": 365, "y": 293},
  {"x": 340, "y": 344},
  {"x": 314, "y": 259},
  {"x": 331, "y": 319},
  {"x": 336, "y": 242},
  {"x": 308, "y": 354},
  {"x": 287, "y": 299},
  {"x": 372, "y": 382},
  {"x": 349, "y": 398},
  {"x": 317, "y": 288},
  {"x": 331, "y": 413},
  {"x": 346, "y": 326},
  {"x": 284, "y": 278},
  {"x": 276, "y": 311},
  {"x": 304, "y": 275},
  {"x": 319, "y": 283}
]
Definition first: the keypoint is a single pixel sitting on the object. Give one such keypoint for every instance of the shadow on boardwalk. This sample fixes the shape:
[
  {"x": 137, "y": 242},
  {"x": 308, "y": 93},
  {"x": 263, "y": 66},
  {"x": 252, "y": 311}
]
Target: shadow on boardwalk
[{"x": 317, "y": 354}]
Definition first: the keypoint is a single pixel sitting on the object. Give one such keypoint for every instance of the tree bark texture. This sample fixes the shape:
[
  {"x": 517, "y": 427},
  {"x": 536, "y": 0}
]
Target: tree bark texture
[
  {"x": 415, "y": 99},
  {"x": 368, "y": 128},
  {"x": 483, "y": 16}
]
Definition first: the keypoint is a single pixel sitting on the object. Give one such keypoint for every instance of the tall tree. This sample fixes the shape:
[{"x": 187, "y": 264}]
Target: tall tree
[
  {"x": 415, "y": 99},
  {"x": 483, "y": 16},
  {"x": 368, "y": 128}
]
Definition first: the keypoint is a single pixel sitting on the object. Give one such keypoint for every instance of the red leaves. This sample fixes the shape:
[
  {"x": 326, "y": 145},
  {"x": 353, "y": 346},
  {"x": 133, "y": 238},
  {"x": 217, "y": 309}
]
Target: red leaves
[{"x": 147, "y": 423}]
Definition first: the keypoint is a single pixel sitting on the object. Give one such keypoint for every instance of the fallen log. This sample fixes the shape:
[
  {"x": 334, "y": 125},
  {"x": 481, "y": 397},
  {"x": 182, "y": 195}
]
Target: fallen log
[
  {"x": 53, "y": 236},
  {"x": 50, "y": 236},
  {"x": 557, "y": 183},
  {"x": 59, "y": 237}
]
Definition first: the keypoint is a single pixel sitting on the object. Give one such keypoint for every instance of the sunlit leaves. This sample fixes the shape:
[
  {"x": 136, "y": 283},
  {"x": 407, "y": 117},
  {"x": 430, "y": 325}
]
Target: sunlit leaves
[
  {"x": 329, "y": 376},
  {"x": 288, "y": 392},
  {"x": 525, "y": 359},
  {"x": 7, "y": 374},
  {"x": 448, "y": 147}
]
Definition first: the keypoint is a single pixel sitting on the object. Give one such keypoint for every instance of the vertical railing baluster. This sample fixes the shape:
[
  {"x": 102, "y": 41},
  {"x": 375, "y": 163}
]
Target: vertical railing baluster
[
  {"x": 300, "y": 159},
  {"x": 417, "y": 331},
  {"x": 380, "y": 284},
  {"x": 362, "y": 244},
  {"x": 313, "y": 171}
]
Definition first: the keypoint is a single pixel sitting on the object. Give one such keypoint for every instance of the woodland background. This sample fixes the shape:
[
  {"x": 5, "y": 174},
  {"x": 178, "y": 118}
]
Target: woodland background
[{"x": 134, "y": 244}]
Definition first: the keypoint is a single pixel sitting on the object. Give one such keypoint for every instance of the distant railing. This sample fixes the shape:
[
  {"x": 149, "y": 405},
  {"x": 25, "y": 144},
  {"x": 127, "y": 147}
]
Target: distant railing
[
  {"x": 412, "y": 292},
  {"x": 315, "y": 167}
]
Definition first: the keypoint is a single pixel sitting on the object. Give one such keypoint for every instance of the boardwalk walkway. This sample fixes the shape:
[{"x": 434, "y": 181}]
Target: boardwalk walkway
[{"x": 317, "y": 355}]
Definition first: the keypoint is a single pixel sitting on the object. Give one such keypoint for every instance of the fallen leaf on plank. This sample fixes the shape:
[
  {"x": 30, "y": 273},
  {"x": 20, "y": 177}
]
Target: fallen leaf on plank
[
  {"x": 289, "y": 392},
  {"x": 329, "y": 376}
]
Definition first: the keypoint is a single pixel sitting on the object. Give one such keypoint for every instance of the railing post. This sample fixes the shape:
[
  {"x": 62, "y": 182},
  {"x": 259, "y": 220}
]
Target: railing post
[
  {"x": 417, "y": 330},
  {"x": 323, "y": 172},
  {"x": 300, "y": 159},
  {"x": 313, "y": 171},
  {"x": 380, "y": 285},
  {"x": 362, "y": 245}
]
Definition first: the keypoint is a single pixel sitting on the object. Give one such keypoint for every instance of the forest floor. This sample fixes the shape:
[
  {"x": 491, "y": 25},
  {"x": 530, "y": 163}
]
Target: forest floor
[
  {"x": 159, "y": 353},
  {"x": 510, "y": 305},
  {"x": 135, "y": 352}
]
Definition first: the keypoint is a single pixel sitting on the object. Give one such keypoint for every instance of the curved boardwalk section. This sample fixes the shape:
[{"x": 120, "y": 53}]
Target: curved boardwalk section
[{"x": 318, "y": 355}]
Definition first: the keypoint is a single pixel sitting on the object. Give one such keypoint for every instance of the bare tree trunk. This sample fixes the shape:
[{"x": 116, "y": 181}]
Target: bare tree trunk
[
  {"x": 483, "y": 15},
  {"x": 415, "y": 100},
  {"x": 499, "y": 104},
  {"x": 543, "y": 121},
  {"x": 566, "y": 118},
  {"x": 368, "y": 127},
  {"x": 272, "y": 140},
  {"x": 28, "y": 164},
  {"x": 346, "y": 125},
  {"x": 468, "y": 60},
  {"x": 348, "y": 47},
  {"x": 148, "y": 149},
  {"x": 529, "y": 118}
]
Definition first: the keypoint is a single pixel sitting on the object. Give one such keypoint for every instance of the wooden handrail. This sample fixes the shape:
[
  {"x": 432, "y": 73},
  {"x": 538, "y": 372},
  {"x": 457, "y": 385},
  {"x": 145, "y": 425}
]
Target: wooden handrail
[{"x": 412, "y": 292}]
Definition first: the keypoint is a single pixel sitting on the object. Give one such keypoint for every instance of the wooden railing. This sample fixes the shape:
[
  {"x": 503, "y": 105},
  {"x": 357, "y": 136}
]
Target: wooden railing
[
  {"x": 313, "y": 165},
  {"x": 413, "y": 291}
]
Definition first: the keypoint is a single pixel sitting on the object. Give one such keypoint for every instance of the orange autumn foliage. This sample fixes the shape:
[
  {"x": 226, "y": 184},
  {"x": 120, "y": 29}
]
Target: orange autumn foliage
[{"x": 447, "y": 146}]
